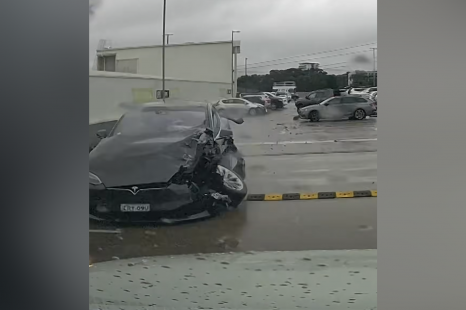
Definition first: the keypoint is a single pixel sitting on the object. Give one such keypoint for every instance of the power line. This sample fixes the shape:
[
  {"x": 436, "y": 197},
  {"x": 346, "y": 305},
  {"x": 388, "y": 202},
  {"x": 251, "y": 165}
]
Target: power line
[{"x": 317, "y": 53}]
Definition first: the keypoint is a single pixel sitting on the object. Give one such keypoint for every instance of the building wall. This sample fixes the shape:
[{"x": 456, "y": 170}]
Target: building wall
[
  {"x": 209, "y": 62},
  {"x": 197, "y": 91},
  {"x": 108, "y": 90}
]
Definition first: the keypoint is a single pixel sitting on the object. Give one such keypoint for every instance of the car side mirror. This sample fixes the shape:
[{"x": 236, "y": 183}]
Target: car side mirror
[
  {"x": 102, "y": 134},
  {"x": 307, "y": 97}
]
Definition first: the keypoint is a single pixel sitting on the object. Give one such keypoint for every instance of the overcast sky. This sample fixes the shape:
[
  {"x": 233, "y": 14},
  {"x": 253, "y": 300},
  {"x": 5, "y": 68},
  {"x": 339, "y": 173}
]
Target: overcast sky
[{"x": 270, "y": 29}]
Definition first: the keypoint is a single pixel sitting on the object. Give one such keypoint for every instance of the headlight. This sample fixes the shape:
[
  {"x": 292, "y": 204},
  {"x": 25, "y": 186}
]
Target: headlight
[{"x": 93, "y": 179}]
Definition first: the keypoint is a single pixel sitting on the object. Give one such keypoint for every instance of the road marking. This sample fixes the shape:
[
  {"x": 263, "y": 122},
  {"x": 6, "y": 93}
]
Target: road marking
[
  {"x": 304, "y": 142},
  {"x": 312, "y": 196}
]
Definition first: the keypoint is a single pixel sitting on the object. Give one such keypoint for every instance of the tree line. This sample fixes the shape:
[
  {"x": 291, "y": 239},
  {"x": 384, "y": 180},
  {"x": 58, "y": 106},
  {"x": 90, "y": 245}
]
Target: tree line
[{"x": 306, "y": 80}]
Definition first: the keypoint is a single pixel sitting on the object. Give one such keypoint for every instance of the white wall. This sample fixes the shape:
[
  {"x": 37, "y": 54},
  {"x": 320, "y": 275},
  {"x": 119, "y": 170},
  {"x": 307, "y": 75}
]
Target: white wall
[
  {"x": 107, "y": 90},
  {"x": 197, "y": 91},
  {"x": 209, "y": 62}
]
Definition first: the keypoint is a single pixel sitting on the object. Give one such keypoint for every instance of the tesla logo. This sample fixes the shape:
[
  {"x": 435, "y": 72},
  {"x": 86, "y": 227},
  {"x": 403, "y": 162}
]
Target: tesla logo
[{"x": 134, "y": 190}]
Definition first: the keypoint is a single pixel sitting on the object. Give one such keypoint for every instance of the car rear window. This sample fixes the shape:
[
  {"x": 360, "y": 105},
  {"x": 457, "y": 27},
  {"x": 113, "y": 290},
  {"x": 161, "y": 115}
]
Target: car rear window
[{"x": 158, "y": 121}]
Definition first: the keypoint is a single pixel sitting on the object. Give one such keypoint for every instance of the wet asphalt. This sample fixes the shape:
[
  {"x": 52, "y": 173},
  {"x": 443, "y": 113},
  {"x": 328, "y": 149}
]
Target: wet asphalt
[{"x": 282, "y": 156}]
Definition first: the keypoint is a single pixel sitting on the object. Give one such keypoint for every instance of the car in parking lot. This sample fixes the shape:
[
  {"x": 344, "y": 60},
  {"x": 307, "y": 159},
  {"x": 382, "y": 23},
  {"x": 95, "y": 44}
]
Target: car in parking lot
[
  {"x": 166, "y": 163},
  {"x": 258, "y": 98},
  {"x": 275, "y": 101},
  {"x": 352, "y": 107},
  {"x": 239, "y": 107},
  {"x": 316, "y": 97}
]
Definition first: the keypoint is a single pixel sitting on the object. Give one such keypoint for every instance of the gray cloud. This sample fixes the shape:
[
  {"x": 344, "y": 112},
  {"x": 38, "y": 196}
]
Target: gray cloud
[{"x": 270, "y": 29}]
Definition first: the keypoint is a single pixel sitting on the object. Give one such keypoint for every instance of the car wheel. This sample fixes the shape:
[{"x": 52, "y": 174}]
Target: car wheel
[
  {"x": 359, "y": 114},
  {"x": 273, "y": 106},
  {"x": 252, "y": 112},
  {"x": 314, "y": 116},
  {"x": 233, "y": 185}
]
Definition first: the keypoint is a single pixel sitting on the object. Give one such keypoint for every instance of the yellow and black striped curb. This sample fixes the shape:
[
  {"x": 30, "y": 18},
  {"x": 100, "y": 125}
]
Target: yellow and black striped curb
[{"x": 310, "y": 196}]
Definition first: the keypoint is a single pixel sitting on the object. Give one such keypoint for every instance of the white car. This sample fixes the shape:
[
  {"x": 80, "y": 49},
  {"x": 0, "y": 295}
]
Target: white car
[
  {"x": 240, "y": 107},
  {"x": 286, "y": 97},
  {"x": 370, "y": 90}
]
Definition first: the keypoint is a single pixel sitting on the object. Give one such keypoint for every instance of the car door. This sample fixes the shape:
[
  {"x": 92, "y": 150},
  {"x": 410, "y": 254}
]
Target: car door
[
  {"x": 240, "y": 105},
  {"x": 363, "y": 103},
  {"x": 226, "y": 104},
  {"x": 332, "y": 109},
  {"x": 348, "y": 105},
  {"x": 221, "y": 129},
  {"x": 254, "y": 99}
]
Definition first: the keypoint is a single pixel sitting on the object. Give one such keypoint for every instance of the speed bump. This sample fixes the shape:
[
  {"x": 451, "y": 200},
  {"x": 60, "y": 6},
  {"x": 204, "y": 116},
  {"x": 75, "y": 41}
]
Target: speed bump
[{"x": 312, "y": 196}]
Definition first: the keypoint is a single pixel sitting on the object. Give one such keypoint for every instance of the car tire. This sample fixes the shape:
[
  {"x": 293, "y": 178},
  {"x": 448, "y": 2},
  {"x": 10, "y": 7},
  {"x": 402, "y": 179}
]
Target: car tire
[
  {"x": 314, "y": 116},
  {"x": 236, "y": 189},
  {"x": 359, "y": 114},
  {"x": 273, "y": 107},
  {"x": 252, "y": 112}
]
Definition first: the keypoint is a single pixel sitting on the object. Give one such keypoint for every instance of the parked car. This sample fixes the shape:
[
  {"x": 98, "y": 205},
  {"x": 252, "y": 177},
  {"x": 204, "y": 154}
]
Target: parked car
[
  {"x": 316, "y": 97},
  {"x": 239, "y": 107},
  {"x": 259, "y": 98},
  {"x": 352, "y": 107},
  {"x": 373, "y": 97},
  {"x": 369, "y": 90},
  {"x": 275, "y": 102},
  {"x": 286, "y": 97},
  {"x": 166, "y": 163},
  {"x": 356, "y": 91}
]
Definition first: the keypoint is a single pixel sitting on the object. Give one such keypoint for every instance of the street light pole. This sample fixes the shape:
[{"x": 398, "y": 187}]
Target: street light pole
[
  {"x": 246, "y": 66},
  {"x": 373, "y": 70},
  {"x": 163, "y": 49}
]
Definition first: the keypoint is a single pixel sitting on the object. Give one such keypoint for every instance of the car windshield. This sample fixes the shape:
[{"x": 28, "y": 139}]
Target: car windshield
[{"x": 158, "y": 121}]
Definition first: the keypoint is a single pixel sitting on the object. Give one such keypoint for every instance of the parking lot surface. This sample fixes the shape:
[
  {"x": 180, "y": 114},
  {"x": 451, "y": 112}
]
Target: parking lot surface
[{"x": 282, "y": 156}]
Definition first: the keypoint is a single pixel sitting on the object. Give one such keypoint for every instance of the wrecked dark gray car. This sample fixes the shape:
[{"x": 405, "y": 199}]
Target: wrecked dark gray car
[{"x": 166, "y": 163}]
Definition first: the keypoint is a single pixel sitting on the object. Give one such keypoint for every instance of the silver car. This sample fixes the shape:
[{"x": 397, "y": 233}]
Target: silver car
[
  {"x": 352, "y": 107},
  {"x": 240, "y": 107}
]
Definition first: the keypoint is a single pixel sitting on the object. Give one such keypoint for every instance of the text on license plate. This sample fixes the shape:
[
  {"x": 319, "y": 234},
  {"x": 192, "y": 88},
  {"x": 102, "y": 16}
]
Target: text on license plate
[{"x": 144, "y": 207}]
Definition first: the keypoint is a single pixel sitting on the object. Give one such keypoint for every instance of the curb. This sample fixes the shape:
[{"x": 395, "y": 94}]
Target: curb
[{"x": 311, "y": 196}]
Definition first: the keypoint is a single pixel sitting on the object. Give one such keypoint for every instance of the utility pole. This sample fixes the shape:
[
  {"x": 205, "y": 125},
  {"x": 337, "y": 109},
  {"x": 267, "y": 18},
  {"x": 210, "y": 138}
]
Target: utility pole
[
  {"x": 163, "y": 49},
  {"x": 168, "y": 37},
  {"x": 374, "y": 75},
  {"x": 246, "y": 66},
  {"x": 233, "y": 64}
]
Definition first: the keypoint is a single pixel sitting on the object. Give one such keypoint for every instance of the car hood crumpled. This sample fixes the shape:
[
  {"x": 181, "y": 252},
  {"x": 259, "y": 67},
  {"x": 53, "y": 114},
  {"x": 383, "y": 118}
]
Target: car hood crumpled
[{"x": 123, "y": 161}]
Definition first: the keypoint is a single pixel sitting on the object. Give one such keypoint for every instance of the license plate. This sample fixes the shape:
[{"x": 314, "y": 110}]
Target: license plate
[{"x": 145, "y": 207}]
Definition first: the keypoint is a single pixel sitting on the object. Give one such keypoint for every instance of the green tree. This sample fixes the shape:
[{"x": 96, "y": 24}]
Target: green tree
[{"x": 306, "y": 80}]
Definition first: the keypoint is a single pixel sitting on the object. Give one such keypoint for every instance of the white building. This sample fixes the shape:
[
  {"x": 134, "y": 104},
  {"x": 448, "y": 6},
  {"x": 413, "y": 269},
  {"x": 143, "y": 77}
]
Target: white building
[
  {"x": 308, "y": 65},
  {"x": 109, "y": 90},
  {"x": 206, "y": 62}
]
